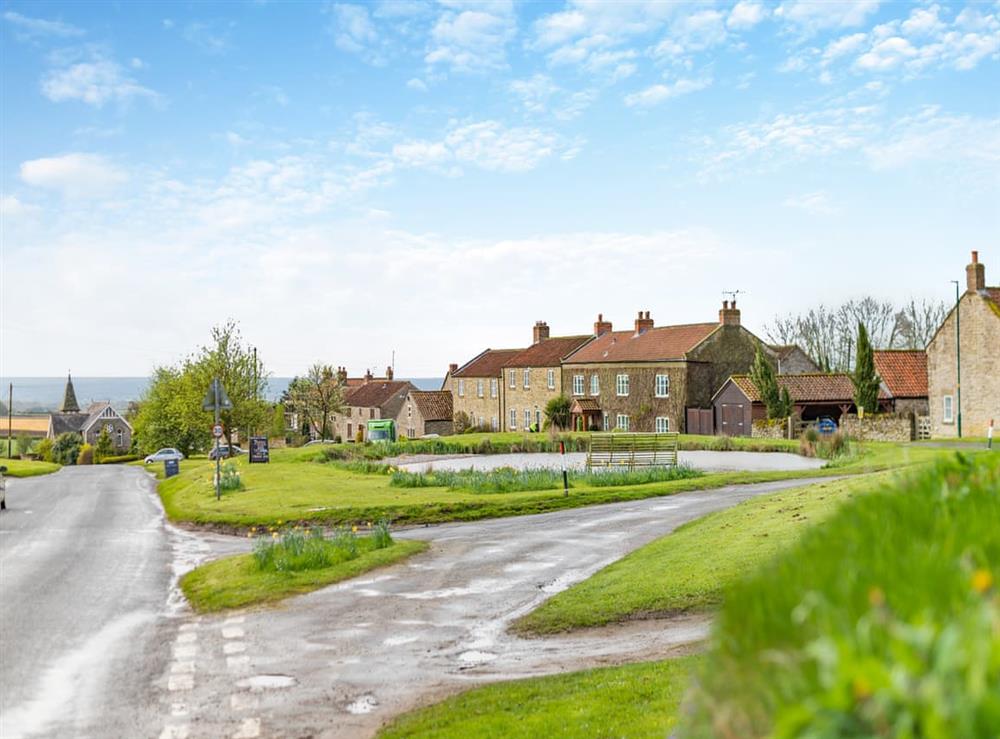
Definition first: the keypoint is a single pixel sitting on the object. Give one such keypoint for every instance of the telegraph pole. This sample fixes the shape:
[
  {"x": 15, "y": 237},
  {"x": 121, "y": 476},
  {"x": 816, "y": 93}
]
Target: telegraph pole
[
  {"x": 10, "y": 418},
  {"x": 958, "y": 356}
]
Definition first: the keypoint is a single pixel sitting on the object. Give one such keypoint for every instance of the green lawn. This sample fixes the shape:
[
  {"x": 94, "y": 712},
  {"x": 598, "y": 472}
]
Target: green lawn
[
  {"x": 690, "y": 568},
  {"x": 639, "y": 700},
  {"x": 25, "y": 468},
  {"x": 236, "y": 582}
]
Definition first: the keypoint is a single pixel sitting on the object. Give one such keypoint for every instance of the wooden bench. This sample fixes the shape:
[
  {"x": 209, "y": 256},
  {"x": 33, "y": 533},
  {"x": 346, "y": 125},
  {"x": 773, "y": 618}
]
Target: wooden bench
[{"x": 628, "y": 451}]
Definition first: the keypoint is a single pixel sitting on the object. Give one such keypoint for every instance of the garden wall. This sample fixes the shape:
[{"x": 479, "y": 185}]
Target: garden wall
[
  {"x": 880, "y": 427},
  {"x": 767, "y": 429}
]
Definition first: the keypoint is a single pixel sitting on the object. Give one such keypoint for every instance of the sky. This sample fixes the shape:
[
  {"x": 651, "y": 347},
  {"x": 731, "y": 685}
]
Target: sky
[{"x": 357, "y": 183}]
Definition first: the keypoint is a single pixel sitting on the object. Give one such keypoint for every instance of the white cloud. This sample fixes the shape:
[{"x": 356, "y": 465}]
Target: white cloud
[
  {"x": 74, "y": 175},
  {"x": 843, "y": 46},
  {"x": 33, "y": 27},
  {"x": 540, "y": 95},
  {"x": 923, "y": 22},
  {"x": 886, "y": 54},
  {"x": 813, "y": 203},
  {"x": 213, "y": 38},
  {"x": 13, "y": 207},
  {"x": 810, "y": 16},
  {"x": 745, "y": 14},
  {"x": 94, "y": 82},
  {"x": 472, "y": 40},
  {"x": 946, "y": 139},
  {"x": 354, "y": 31},
  {"x": 417, "y": 84},
  {"x": 656, "y": 94}
]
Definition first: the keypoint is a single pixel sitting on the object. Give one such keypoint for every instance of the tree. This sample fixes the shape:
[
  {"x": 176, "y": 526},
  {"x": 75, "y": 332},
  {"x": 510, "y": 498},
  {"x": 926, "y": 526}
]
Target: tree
[
  {"x": 866, "y": 381},
  {"x": 918, "y": 322},
  {"x": 66, "y": 448},
  {"x": 762, "y": 376},
  {"x": 317, "y": 397},
  {"x": 278, "y": 426},
  {"x": 170, "y": 414},
  {"x": 103, "y": 448},
  {"x": 557, "y": 413}
]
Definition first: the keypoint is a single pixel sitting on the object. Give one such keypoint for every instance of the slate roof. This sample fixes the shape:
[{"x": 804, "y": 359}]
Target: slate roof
[
  {"x": 434, "y": 405},
  {"x": 63, "y": 422},
  {"x": 548, "y": 352},
  {"x": 656, "y": 344},
  {"x": 904, "y": 372},
  {"x": 375, "y": 394},
  {"x": 69, "y": 404},
  {"x": 487, "y": 364},
  {"x": 808, "y": 388}
]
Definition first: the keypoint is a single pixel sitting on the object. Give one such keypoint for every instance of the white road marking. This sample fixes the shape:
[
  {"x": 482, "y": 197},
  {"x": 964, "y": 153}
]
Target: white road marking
[
  {"x": 249, "y": 729},
  {"x": 172, "y": 731},
  {"x": 233, "y": 632},
  {"x": 233, "y": 620},
  {"x": 180, "y": 682},
  {"x": 234, "y": 647},
  {"x": 182, "y": 667}
]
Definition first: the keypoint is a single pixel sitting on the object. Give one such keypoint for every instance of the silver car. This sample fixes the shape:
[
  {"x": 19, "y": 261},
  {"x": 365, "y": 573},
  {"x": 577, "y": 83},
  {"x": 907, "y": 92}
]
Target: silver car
[{"x": 164, "y": 455}]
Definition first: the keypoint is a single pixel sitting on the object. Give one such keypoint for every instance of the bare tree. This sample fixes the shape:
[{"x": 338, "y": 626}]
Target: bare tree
[
  {"x": 318, "y": 396},
  {"x": 918, "y": 323}
]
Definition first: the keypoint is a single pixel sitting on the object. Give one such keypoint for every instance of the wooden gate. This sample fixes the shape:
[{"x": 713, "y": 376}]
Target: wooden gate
[{"x": 700, "y": 421}]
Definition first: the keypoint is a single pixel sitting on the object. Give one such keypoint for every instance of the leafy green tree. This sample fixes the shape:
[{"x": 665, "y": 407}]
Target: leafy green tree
[
  {"x": 66, "y": 448},
  {"x": 278, "y": 422},
  {"x": 557, "y": 413},
  {"x": 317, "y": 397},
  {"x": 866, "y": 381},
  {"x": 44, "y": 450},
  {"x": 104, "y": 447},
  {"x": 170, "y": 414},
  {"x": 762, "y": 376}
]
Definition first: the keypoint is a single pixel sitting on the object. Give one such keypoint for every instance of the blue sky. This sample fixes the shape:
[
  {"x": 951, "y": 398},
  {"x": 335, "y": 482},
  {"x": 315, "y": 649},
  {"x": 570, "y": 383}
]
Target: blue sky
[{"x": 430, "y": 178}]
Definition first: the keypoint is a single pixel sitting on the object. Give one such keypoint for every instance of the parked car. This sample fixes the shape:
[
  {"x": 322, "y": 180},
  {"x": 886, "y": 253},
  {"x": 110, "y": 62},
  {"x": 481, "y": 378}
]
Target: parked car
[
  {"x": 826, "y": 425},
  {"x": 224, "y": 450},
  {"x": 164, "y": 455}
]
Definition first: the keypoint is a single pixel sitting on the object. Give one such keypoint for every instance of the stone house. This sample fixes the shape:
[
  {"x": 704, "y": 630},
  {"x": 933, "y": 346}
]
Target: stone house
[
  {"x": 792, "y": 360},
  {"x": 904, "y": 375},
  {"x": 475, "y": 387},
  {"x": 649, "y": 378},
  {"x": 369, "y": 401},
  {"x": 533, "y": 377},
  {"x": 975, "y": 320},
  {"x": 425, "y": 412}
]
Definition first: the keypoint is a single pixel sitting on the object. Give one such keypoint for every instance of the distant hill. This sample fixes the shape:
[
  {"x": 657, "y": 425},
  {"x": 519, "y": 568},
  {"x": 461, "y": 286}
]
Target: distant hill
[{"x": 42, "y": 394}]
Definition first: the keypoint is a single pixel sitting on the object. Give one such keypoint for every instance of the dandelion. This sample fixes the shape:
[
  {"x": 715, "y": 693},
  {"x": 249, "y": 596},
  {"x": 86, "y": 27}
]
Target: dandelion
[
  {"x": 876, "y": 598},
  {"x": 862, "y": 688},
  {"x": 982, "y": 580}
]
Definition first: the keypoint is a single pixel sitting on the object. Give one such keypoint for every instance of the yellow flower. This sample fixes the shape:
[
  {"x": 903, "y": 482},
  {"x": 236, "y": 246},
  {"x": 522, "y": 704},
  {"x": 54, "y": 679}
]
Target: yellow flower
[
  {"x": 249, "y": 534},
  {"x": 354, "y": 529},
  {"x": 862, "y": 688},
  {"x": 876, "y": 597},
  {"x": 982, "y": 580},
  {"x": 274, "y": 535}
]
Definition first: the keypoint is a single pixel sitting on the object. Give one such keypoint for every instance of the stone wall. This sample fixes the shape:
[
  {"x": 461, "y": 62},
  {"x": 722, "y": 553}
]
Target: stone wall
[
  {"x": 641, "y": 404},
  {"x": 766, "y": 429},
  {"x": 880, "y": 427}
]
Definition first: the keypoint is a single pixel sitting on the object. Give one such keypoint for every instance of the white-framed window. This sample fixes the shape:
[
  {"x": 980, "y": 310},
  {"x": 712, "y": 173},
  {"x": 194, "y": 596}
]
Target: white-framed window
[
  {"x": 527, "y": 378},
  {"x": 493, "y": 387},
  {"x": 461, "y": 388},
  {"x": 595, "y": 384},
  {"x": 527, "y": 419},
  {"x": 577, "y": 384},
  {"x": 121, "y": 439},
  {"x": 479, "y": 388},
  {"x": 538, "y": 419},
  {"x": 493, "y": 424},
  {"x": 513, "y": 419},
  {"x": 513, "y": 379},
  {"x": 663, "y": 386},
  {"x": 622, "y": 422},
  {"x": 606, "y": 421},
  {"x": 662, "y": 424},
  {"x": 948, "y": 409},
  {"x": 621, "y": 385},
  {"x": 550, "y": 378}
]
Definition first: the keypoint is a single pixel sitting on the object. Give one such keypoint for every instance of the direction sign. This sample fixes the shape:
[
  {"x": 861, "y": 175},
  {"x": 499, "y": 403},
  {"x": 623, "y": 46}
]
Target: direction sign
[
  {"x": 209, "y": 403},
  {"x": 217, "y": 431}
]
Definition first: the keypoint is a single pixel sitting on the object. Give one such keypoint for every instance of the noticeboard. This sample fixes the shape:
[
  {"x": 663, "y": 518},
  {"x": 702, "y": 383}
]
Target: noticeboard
[
  {"x": 259, "y": 451},
  {"x": 171, "y": 467}
]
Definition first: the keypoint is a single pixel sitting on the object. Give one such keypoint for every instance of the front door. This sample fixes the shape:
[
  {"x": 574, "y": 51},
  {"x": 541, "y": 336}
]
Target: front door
[{"x": 732, "y": 419}]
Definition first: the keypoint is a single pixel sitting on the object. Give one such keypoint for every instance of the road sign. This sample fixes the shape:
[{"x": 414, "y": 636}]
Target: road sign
[
  {"x": 216, "y": 393},
  {"x": 217, "y": 431}
]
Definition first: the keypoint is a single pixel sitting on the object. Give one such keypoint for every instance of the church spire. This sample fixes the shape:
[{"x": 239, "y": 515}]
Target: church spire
[{"x": 69, "y": 404}]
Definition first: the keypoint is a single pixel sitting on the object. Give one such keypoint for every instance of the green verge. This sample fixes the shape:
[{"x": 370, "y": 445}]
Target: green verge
[
  {"x": 235, "y": 582},
  {"x": 690, "y": 568},
  {"x": 28, "y": 468},
  {"x": 638, "y": 700},
  {"x": 882, "y": 622}
]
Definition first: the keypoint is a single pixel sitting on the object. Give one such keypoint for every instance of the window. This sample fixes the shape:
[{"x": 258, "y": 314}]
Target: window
[
  {"x": 595, "y": 385},
  {"x": 577, "y": 384},
  {"x": 409, "y": 411},
  {"x": 538, "y": 419},
  {"x": 606, "y": 421},
  {"x": 371, "y": 413},
  {"x": 621, "y": 385},
  {"x": 513, "y": 379},
  {"x": 662, "y": 424},
  {"x": 550, "y": 378},
  {"x": 461, "y": 388},
  {"x": 349, "y": 431},
  {"x": 493, "y": 423},
  {"x": 479, "y": 388},
  {"x": 527, "y": 419},
  {"x": 513, "y": 419},
  {"x": 622, "y": 422},
  {"x": 949, "y": 409},
  {"x": 493, "y": 387},
  {"x": 527, "y": 378},
  {"x": 121, "y": 439},
  {"x": 662, "y": 386}
]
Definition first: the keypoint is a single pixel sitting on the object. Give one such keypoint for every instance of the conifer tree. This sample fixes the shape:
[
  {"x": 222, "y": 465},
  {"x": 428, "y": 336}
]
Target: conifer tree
[
  {"x": 866, "y": 381},
  {"x": 762, "y": 375}
]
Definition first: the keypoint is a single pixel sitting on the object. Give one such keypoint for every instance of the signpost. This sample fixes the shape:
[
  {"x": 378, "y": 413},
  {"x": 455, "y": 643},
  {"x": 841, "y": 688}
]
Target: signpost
[
  {"x": 216, "y": 400},
  {"x": 259, "y": 450}
]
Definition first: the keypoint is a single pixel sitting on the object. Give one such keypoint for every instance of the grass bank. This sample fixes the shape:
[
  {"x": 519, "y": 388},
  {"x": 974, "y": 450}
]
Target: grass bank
[
  {"x": 881, "y": 622},
  {"x": 638, "y": 700},
  {"x": 27, "y": 468},
  {"x": 691, "y": 568}
]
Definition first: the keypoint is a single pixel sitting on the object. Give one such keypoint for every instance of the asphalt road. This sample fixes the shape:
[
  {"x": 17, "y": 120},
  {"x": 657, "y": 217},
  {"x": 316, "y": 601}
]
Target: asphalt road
[{"x": 85, "y": 572}]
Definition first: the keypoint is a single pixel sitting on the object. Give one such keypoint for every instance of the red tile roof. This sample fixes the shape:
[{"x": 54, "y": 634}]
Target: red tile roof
[
  {"x": 655, "y": 344},
  {"x": 487, "y": 364},
  {"x": 903, "y": 372},
  {"x": 434, "y": 405},
  {"x": 549, "y": 352},
  {"x": 808, "y": 388},
  {"x": 376, "y": 393}
]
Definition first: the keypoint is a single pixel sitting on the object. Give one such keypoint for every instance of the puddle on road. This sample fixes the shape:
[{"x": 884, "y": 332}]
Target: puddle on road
[
  {"x": 397, "y": 641},
  {"x": 364, "y": 704},
  {"x": 267, "y": 682},
  {"x": 476, "y": 657}
]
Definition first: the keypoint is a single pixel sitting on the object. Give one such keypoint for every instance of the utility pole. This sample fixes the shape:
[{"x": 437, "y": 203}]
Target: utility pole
[
  {"x": 10, "y": 419},
  {"x": 958, "y": 356}
]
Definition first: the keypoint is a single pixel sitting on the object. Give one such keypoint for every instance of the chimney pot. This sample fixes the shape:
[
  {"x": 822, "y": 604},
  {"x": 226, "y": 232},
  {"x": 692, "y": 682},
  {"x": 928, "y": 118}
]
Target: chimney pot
[
  {"x": 388, "y": 373},
  {"x": 730, "y": 314},
  {"x": 643, "y": 323},
  {"x": 601, "y": 326},
  {"x": 540, "y": 332},
  {"x": 975, "y": 256}
]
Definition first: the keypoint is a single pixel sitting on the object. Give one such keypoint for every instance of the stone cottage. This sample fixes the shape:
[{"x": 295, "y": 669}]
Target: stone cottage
[
  {"x": 372, "y": 400},
  {"x": 904, "y": 375},
  {"x": 475, "y": 387},
  {"x": 425, "y": 412},
  {"x": 970, "y": 333}
]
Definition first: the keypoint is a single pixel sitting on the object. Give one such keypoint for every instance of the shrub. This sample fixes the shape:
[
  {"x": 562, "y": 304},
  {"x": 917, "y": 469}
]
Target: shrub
[
  {"x": 380, "y": 534},
  {"x": 461, "y": 422},
  {"x": 23, "y": 445},
  {"x": 44, "y": 450},
  {"x": 230, "y": 478},
  {"x": 833, "y": 446},
  {"x": 359, "y": 436},
  {"x": 66, "y": 448},
  {"x": 103, "y": 448},
  {"x": 808, "y": 441},
  {"x": 86, "y": 455}
]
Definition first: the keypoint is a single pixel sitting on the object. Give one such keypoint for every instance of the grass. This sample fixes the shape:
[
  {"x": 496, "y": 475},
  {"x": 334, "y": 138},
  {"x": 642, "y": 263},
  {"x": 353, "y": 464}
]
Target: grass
[
  {"x": 638, "y": 700},
  {"x": 239, "y": 581},
  {"x": 509, "y": 480},
  {"x": 882, "y": 622},
  {"x": 27, "y": 468}
]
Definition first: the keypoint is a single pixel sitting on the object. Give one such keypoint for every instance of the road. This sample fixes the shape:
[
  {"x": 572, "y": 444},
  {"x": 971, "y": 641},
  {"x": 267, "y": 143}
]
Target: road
[{"x": 96, "y": 641}]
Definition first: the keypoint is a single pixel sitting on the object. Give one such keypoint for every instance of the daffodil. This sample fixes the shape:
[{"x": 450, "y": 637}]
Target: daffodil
[{"x": 982, "y": 580}]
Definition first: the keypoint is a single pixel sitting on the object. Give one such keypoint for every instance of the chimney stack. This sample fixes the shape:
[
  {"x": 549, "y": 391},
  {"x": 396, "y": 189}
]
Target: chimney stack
[
  {"x": 975, "y": 274},
  {"x": 452, "y": 368},
  {"x": 730, "y": 314},
  {"x": 368, "y": 376},
  {"x": 643, "y": 323},
  {"x": 388, "y": 373},
  {"x": 540, "y": 332},
  {"x": 342, "y": 375},
  {"x": 601, "y": 326}
]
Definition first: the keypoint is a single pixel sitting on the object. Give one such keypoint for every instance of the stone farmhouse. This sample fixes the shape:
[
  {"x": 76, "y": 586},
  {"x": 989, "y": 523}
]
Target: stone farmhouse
[
  {"x": 475, "y": 387},
  {"x": 425, "y": 412},
  {"x": 372, "y": 399},
  {"x": 978, "y": 313}
]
